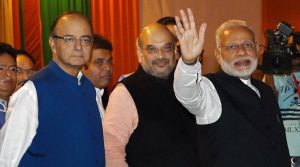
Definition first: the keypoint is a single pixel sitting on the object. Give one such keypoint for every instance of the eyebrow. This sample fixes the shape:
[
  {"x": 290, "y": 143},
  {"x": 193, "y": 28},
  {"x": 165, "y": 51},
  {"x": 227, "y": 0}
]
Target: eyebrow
[
  {"x": 75, "y": 35},
  {"x": 4, "y": 65},
  {"x": 150, "y": 45},
  {"x": 103, "y": 58}
]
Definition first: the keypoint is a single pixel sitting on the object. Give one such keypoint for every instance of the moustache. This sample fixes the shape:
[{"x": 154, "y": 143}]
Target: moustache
[{"x": 161, "y": 60}]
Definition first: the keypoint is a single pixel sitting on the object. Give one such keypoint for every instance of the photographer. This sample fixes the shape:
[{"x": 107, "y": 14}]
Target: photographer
[{"x": 287, "y": 89}]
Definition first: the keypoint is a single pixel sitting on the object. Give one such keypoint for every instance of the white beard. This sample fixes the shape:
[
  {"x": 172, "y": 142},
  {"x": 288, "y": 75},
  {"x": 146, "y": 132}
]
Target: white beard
[{"x": 245, "y": 73}]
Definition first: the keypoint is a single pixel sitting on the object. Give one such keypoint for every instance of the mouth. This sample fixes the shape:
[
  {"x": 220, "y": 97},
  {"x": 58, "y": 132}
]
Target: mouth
[
  {"x": 107, "y": 77},
  {"x": 6, "y": 82},
  {"x": 78, "y": 55},
  {"x": 242, "y": 64},
  {"x": 161, "y": 62}
]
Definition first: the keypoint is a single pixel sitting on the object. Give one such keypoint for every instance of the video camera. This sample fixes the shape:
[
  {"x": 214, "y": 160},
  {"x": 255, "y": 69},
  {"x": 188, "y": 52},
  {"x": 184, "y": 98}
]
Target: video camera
[{"x": 277, "y": 56}]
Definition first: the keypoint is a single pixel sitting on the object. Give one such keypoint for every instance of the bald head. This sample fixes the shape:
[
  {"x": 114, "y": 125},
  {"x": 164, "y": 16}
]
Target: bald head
[
  {"x": 69, "y": 15},
  {"x": 154, "y": 30}
]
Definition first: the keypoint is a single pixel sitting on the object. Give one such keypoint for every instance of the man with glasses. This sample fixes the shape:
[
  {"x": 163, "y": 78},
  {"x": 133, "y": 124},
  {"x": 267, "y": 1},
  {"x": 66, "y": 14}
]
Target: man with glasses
[
  {"x": 144, "y": 124},
  {"x": 238, "y": 118},
  {"x": 54, "y": 118},
  {"x": 25, "y": 64},
  {"x": 8, "y": 71}
]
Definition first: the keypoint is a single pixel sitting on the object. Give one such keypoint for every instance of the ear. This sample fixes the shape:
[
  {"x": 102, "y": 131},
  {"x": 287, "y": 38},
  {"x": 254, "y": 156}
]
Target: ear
[
  {"x": 218, "y": 55},
  {"x": 139, "y": 50},
  {"x": 139, "y": 53},
  {"x": 52, "y": 45}
]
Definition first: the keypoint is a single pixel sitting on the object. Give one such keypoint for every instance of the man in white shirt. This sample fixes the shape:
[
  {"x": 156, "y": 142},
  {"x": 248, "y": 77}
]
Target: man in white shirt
[
  {"x": 238, "y": 118},
  {"x": 26, "y": 67},
  {"x": 99, "y": 69}
]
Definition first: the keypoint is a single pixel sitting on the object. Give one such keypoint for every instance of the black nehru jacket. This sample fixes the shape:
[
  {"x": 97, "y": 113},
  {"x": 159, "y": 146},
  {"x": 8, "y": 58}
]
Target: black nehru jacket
[
  {"x": 166, "y": 131},
  {"x": 249, "y": 132}
]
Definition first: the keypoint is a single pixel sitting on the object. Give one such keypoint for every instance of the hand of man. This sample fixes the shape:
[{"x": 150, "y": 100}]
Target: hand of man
[{"x": 191, "y": 43}]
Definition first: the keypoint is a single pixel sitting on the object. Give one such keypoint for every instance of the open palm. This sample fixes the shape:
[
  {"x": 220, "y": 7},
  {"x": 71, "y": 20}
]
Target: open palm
[{"x": 191, "y": 42}]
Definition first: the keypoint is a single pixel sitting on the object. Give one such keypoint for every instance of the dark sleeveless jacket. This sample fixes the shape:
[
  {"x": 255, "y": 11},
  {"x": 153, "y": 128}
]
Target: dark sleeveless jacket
[
  {"x": 166, "y": 134},
  {"x": 69, "y": 131},
  {"x": 249, "y": 132}
]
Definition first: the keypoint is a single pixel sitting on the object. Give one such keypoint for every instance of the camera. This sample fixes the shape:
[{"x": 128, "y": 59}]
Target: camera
[{"x": 278, "y": 55}]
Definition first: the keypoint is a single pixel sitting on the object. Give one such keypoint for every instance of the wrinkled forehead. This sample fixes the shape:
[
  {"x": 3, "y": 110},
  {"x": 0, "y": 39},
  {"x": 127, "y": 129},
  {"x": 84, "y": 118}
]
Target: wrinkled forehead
[
  {"x": 237, "y": 34},
  {"x": 73, "y": 25}
]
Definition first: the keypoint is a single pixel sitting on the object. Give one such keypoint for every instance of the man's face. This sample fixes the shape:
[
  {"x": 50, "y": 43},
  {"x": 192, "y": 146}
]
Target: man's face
[
  {"x": 8, "y": 76},
  {"x": 237, "y": 53},
  {"x": 158, "y": 53},
  {"x": 25, "y": 69},
  {"x": 100, "y": 67},
  {"x": 72, "y": 52}
]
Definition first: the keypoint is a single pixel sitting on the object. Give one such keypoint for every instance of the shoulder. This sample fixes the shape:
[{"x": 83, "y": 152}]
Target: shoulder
[{"x": 42, "y": 75}]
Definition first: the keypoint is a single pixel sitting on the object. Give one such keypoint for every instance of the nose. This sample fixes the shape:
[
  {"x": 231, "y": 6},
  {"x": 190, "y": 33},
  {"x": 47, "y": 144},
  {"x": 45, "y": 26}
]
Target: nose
[
  {"x": 241, "y": 50},
  {"x": 10, "y": 73},
  {"x": 77, "y": 45},
  {"x": 160, "y": 53},
  {"x": 106, "y": 66}
]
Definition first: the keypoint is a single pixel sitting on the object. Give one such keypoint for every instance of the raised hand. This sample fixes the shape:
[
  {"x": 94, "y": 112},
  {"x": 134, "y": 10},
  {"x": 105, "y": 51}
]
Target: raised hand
[{"x": 191, "y": 42}]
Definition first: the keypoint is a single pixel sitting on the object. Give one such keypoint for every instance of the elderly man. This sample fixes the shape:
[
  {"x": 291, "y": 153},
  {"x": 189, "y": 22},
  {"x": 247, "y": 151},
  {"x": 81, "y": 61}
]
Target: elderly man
[
  {"x": 8, "y": 71},
  {"x": 54, "y": 118},
  {"x": 144, "y": 124},
  {"x": 238, "y": 118}
]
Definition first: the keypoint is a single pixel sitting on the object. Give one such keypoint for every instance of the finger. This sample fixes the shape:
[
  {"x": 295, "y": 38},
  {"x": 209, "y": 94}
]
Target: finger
[
  {"x": 179, "y": 25},
  {"x": 191, "y": 18},
  {"x": 177, "y": 32},
  {"x": 202, "y": 33},
  {"x": 184, "y": 20}
]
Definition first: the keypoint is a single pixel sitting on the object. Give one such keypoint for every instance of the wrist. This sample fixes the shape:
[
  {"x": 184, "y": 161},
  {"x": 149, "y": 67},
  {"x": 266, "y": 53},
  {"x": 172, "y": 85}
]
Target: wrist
[{"x": 190, "y": 62}]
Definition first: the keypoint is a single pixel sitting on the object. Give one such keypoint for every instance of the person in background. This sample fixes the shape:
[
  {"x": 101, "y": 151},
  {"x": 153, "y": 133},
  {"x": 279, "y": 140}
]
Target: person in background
[
  {"x": 144, "y": 124},
  {"x": 54, "y": 117},
  {"x": 26, "y": 67},
  {"x": 8, "y": 72},
  {"x": 170, "y": 22},
  {"x": 238, "y": 118},
  {"x": 287, "y": 88},
  {"x": 99, "y": 69}
]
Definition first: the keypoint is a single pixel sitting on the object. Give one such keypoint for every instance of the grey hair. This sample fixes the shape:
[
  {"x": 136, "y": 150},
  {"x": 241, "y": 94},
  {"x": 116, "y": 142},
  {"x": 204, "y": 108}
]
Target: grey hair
[{"x": 231, "y": 24}]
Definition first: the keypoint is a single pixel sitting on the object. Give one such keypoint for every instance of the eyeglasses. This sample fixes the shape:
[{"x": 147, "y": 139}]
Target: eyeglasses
[
  {"x": 234, "y": 47},
  {"x": 165, "y": 49},
  {"x": 25, "y": 71},
  {"x": 12, "y": 69},
  {"x": 70, "y": 39}
]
